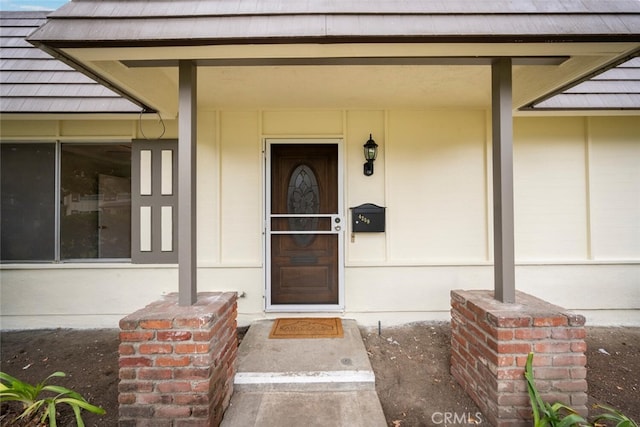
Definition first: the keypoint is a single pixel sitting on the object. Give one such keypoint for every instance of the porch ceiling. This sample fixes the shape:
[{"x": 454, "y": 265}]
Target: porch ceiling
[
  {"x": 360, "y": 87},
  {"x": 439, "y": 85}
]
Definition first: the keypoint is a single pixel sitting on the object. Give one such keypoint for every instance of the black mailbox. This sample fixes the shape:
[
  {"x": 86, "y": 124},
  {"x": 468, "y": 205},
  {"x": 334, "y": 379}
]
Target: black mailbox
[{"x": 367, "y": 218}]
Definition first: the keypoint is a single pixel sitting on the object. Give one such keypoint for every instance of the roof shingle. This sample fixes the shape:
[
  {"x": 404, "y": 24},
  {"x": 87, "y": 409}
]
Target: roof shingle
[
  {"x": 188, "y": 22},
  {"x": 34, "y": 82}
]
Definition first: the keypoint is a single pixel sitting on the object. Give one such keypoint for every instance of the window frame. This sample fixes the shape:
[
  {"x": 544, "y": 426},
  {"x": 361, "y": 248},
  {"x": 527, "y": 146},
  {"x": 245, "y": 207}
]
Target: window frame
[{"x": 57, "y": 182}]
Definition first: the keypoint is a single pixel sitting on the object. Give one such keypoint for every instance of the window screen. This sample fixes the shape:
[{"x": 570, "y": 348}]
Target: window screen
[{"x": 27, "y": 186}]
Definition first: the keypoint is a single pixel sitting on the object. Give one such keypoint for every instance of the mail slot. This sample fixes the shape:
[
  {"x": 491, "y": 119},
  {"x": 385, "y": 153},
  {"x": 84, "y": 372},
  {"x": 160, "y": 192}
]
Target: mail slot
[{"x": 367, "y": 218}]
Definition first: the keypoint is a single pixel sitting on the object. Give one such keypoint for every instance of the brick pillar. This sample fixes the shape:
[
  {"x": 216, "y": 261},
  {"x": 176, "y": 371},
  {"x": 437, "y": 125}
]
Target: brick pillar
[
  {"x": 490, "y": 342},
  {"x": 177, "y": 362}
]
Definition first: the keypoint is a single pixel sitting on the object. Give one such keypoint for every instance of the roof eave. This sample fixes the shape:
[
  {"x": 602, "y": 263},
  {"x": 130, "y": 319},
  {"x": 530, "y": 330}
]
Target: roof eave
[
  {"x": 346, "y": 39},
  {"x": 61, "y": 56}
]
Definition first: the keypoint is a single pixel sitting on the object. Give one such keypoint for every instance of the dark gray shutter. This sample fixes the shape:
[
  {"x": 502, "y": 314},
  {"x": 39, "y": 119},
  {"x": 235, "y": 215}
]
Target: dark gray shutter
[{"x": 154, "y": 204}]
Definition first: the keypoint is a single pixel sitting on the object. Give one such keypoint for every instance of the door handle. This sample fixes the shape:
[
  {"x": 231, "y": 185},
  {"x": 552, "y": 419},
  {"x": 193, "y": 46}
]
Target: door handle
[{"x": 337, "y": 220}]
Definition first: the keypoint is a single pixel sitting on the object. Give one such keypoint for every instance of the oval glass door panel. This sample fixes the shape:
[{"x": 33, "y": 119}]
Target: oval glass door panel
[{"x": 303, "y": 198}]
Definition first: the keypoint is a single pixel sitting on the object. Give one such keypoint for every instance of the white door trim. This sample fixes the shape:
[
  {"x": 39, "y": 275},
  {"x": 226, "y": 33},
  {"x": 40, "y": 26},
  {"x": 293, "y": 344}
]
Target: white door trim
[{"x": 340, "y": 232}]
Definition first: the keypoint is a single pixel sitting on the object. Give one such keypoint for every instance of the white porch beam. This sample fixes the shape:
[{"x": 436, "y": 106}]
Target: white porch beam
[
  {"x": 187, "y": 230},
  {"x": 502, "y": 149}
]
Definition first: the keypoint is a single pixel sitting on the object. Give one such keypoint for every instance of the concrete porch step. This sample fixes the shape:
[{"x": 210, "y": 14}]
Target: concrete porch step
[
  {"x": 311, "y": 382},
  {"x": 303, "y": 364},
  {"x": 310, "y": 409},
  {"x": 305, "y": 381}
]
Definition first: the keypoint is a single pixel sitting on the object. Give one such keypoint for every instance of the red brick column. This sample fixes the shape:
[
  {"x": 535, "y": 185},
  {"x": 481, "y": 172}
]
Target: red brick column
[
  {"x": 490, "y": 342},
  {"x": 177, "y": 362}
]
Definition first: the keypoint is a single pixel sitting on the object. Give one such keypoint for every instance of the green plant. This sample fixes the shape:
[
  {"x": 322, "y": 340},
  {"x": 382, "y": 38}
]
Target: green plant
[
  {"x": 560, "y": 415},
  {"x": 33, "y": 401},
  {"x": 546, "y": 414},
  {"x": 614, "y": 416}
]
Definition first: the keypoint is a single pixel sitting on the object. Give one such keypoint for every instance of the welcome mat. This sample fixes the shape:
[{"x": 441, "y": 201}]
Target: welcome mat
[{"x": 307, "y": 327}]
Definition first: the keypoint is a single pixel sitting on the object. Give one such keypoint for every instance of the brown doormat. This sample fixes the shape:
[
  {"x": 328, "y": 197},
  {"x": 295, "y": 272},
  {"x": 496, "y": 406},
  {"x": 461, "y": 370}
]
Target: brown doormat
[{"x": 307, "y": 327}]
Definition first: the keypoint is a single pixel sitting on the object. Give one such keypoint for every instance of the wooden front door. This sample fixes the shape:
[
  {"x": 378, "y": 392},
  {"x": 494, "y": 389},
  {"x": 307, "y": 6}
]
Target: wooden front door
[{"x": 304, "y": 225}]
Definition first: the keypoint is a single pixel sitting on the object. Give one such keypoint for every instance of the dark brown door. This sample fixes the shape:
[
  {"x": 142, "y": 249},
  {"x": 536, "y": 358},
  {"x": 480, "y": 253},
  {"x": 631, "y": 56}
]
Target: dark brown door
[{"x": 304, "y": 224}]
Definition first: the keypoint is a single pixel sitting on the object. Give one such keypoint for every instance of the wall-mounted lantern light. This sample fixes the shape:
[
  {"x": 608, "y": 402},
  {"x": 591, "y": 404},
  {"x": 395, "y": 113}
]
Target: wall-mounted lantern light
[{"x": 370, "y": 154}]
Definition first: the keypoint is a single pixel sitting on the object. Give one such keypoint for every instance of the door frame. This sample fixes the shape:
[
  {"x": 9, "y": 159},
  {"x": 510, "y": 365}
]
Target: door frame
[{"x": 269, "y": 307}]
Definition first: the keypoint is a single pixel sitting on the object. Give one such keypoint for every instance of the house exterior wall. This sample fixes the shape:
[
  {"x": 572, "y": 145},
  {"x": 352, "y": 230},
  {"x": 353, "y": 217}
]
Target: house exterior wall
[{"x": 577, "y": 210}]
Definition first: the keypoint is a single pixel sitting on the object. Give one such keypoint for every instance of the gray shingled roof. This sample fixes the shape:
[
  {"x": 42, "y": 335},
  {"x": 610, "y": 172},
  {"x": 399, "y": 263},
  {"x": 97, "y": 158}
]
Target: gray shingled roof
[
  {"x": 87, "y": 23},
  {"x": 617, "y": 88},
  {"x": 34, "y": 82},
  {"x": 192, "y": 22}
]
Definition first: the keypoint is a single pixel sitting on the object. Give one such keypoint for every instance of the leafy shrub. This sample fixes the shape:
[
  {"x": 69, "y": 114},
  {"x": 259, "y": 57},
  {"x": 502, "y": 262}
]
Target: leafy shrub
[
  {"x": 544, "y": 413},
  {"x": 560, "y": 415},
  {"x": 36, "y": 405}
]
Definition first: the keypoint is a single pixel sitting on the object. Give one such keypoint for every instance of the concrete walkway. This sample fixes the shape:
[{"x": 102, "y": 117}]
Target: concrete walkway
[{"x": 303, "y": 382}]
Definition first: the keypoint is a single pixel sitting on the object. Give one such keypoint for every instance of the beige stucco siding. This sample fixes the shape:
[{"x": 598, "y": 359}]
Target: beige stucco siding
[
  {"x": 437, "y": 187},
  {"x": 577, "y": 189},
  {"x": 240, "y": 200},
  {"x": 614, "y": 174},
  {"x": 550, "y": 189}
]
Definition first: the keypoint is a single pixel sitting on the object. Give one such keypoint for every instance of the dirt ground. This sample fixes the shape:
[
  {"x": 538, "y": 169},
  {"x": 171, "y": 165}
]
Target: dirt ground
[
  {"x": 415, "y": 387},
  {"x": 411, "y": 365}
]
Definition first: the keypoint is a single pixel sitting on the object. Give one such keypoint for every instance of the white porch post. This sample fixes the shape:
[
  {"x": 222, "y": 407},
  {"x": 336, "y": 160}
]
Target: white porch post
[
  {"x": 503, "y": 223},
  {"x": 187, "y": 231}
]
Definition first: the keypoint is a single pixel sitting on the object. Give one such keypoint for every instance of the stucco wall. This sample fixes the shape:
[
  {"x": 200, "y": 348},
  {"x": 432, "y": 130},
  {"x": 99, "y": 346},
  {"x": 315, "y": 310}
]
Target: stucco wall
[{"x": 577, "y": 203}]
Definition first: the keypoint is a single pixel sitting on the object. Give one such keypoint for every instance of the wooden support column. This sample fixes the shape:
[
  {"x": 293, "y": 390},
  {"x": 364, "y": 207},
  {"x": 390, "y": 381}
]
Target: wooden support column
[
  {"x": 187, "y": 230},
  {"x": 503, "y": 223}
]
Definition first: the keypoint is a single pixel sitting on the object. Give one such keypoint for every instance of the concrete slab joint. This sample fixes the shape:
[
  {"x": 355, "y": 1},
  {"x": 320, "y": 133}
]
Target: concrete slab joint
[
  {"x": 177, "y": 363},
  {"x": 490, "y": 341}
]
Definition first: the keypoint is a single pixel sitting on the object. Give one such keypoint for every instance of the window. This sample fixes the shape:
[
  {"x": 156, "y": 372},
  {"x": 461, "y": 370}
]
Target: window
[
  {"x": 27, "y": 189},
  {"x": 91, "y": 188},
  {"x": 95, "y": 201}
]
